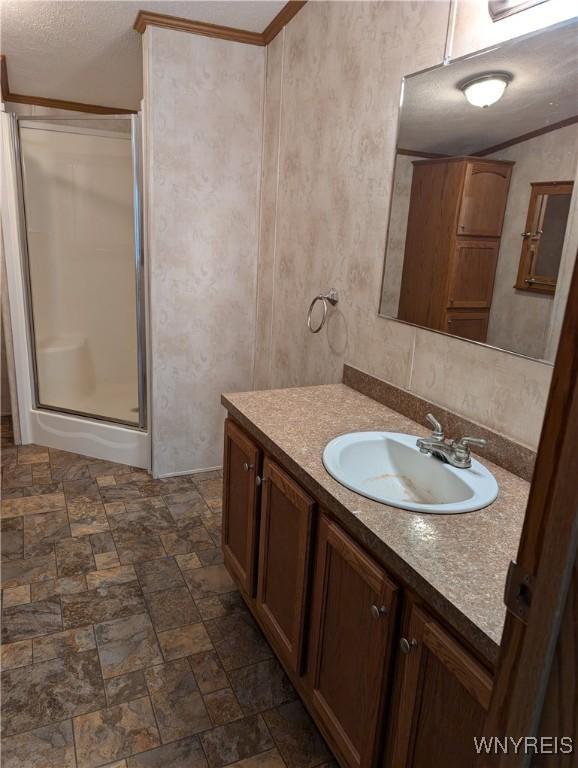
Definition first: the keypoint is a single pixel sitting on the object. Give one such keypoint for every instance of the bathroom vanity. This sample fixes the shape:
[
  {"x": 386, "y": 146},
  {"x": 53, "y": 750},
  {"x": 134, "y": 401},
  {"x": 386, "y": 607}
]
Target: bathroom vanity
[{"x": 388, "y": 623}]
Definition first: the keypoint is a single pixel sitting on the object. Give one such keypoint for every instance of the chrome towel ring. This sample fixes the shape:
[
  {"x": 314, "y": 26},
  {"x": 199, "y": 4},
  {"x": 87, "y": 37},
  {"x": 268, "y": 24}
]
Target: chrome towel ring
[{"x": 330, "y": 297}]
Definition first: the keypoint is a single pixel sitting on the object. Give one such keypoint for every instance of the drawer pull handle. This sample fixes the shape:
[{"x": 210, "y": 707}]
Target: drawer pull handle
[
  {"x": 378, "y": 611},
  {"x": 248, "y": 467},
  {"x": 406, "y": 646}
]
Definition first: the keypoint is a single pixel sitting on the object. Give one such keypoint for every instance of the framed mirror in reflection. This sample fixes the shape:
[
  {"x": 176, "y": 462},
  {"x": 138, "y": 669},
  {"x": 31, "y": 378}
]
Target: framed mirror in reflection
[{"x": 483, "y": 225}]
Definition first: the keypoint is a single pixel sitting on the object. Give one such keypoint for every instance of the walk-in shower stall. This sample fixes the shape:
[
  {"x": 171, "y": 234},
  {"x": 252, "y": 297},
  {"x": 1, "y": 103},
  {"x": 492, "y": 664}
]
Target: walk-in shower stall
[{"x": 77, "y": 192}]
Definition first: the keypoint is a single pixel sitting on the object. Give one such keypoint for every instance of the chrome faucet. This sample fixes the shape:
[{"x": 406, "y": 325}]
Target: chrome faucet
[{"x": 454, "y": 452}]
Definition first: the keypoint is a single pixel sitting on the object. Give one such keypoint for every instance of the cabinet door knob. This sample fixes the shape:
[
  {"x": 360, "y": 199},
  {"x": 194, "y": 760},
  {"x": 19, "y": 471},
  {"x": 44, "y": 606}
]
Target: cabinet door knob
[
  {"x": 248, "y": 467},
  {"x": 378, "y": 611},
  {"x": 260, "y": 480},
  {"x": 406, "y": 646}
]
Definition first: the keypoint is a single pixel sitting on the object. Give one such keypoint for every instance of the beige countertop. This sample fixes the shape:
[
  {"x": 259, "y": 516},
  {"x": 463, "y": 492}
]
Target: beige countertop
[{"x": 457, "y": 563}]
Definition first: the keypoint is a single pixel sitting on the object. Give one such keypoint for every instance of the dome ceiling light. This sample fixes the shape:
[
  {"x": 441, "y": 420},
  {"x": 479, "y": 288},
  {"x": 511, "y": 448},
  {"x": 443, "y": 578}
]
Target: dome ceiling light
[{"x": 485, "y": 90}]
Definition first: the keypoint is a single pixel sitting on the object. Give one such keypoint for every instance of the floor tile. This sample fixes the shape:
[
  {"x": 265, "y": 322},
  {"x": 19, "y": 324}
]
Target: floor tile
[
  {"x": 102, "y": 542},
  {"x": 261, "y": 686},
  {"x": 15, "y": 573},
  {"x": 170, "y": 608},
  {"x": 188, "y": 562},
  {"x": 223, "y": 706},
  {"x": 18, "y": 476},
  {"x": 133, "y": 548},
  {"x": 51, "y": 746},
  {"x": 155, "y": 575},
  {"x": 12, "y": 544},
  {"x": 107, "y": 560},
  {"x": 177, "y": 703},
  {"x": 122, "y": 574},
  {"x": 141, "y": 517},
  {"x": 14, "y": 655},
  {"x": 185, "y": 506},
  {"x": 41, "y": 531},
  {"x": 186, "y": 753},
  {"x": 31, "y": 505},
  {"x": 41, "y": 474},
  {"x": 125, "y": 688},
  {"x": 269, "y": 759},
  {"x": 51, "y": 691},
  {"x": 209, "y": 580},
  {"x": 87, "y": 517},
  {"x": 113, "y": 733},
  {"x": 296, "y": 736},
  {"x": 103, "y": 467},
  {"x": 212, "y": 556},
  {"x": 62, "y": 643},
  {"x": 236, "y": 741},
  {"x": 68, "y": 585},
  {"x": 36, "y": 490},
  {"x": 120, "y": 492},
  {"x": 74, "y": 556},
  {"x": 126, "y": 644},
  {"x": 21, "y": 622},
  {"x": 191, "y": 538},
  {"x": 16, "y": 595},
  {"x": 105, "y": 481},
  {"x": 208, "y": 671},
  {"x": 81, "y": 490},
  {"x": 72, "y": 468},
  {"x": 238, "y": 641},
  {"x": 102, "y": 604},
  {"x": 32, "y": 454},
  {"x": 184, "y": 641}
]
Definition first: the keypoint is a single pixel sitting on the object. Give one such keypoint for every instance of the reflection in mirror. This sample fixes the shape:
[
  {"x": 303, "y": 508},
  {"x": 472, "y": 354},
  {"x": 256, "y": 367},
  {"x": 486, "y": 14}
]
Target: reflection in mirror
[{"x": 482, "y": 237}]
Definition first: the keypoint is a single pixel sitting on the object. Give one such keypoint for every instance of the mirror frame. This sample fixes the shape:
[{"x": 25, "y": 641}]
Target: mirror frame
[{"x": 404, "y": 78}]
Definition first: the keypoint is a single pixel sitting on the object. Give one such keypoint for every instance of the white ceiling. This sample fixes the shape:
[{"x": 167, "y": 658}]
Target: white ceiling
[
  {"x": 87, "y": 50},
  {"x": 544, "y": 89}
]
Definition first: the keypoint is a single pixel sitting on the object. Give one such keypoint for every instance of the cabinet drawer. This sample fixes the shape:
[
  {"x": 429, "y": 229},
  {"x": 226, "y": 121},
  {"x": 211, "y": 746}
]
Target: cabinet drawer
[{"x": 284, "y": 562}]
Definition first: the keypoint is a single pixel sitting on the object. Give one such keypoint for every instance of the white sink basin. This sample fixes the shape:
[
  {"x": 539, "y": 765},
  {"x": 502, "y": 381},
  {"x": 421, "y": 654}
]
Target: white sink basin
[{"x": 388, "y": 467}]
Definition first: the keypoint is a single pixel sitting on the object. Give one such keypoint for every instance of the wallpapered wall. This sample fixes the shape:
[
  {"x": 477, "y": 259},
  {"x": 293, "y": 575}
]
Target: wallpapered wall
[
  {"x": 331, "y": 106},
  {"x": 203, "y": 112}
]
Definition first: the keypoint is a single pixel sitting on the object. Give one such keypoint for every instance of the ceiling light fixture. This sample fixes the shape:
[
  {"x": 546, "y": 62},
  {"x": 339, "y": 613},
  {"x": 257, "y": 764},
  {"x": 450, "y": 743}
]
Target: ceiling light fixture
[{"x": 485, "y": 90}]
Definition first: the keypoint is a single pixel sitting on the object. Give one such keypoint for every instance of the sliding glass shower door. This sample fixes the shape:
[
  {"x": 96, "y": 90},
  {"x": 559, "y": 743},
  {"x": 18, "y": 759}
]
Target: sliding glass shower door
[{"x": 82, "y": 222}]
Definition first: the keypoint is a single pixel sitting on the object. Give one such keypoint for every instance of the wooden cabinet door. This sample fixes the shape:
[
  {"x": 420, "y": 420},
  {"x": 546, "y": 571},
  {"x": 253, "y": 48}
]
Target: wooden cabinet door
[
  {"x": 240, "y": 506},
  {"x": 284, "y": 562},
  {"x": 442, "y": 695},
  {"x": 467, "y": 325},
  {"x": 352, "y": 618},
  {"x": 484, "y": 197},
  {"x": 472, "y": 272}
]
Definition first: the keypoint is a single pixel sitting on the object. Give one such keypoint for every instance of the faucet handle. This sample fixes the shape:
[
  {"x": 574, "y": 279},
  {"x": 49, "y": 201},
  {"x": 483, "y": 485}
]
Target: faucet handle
[
  {"x": 438, "y": 430},
  {"x": 479, "y": 441}
]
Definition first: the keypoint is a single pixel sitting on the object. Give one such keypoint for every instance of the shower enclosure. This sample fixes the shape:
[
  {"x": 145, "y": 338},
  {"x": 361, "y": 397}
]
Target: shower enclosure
[{"x": 79, "y": 186}]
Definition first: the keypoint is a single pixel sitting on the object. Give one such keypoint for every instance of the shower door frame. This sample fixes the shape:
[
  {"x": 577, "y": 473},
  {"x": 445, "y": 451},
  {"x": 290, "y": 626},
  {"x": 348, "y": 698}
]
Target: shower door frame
[{"x": 140, "y": 284}]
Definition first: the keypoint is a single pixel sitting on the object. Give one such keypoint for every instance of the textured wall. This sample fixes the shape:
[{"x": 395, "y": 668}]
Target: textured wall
[
  {"x": 336, "y": 87},
  {"x": 520, "y": 320},
  {"x": 203, "y": 105}
]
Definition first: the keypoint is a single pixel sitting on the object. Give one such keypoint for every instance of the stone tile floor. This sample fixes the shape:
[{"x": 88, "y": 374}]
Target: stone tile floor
[{"x": 124, "y": 641}]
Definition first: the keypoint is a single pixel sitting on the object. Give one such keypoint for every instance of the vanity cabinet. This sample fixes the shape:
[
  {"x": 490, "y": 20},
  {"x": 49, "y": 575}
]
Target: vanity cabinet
[
  {"x": 284, "y": 562},
  {"x": 241, "y": 465},
  {"x": 353, "y": 616},
  {"x": 442, "y": 695},
  {"x": 455, "y": 219},
  {"x": 330, "y": 612}
]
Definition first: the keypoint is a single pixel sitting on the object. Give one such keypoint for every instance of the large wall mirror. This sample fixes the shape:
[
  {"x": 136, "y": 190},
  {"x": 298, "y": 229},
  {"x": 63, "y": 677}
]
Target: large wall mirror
[{"x": 481, "y": 237}]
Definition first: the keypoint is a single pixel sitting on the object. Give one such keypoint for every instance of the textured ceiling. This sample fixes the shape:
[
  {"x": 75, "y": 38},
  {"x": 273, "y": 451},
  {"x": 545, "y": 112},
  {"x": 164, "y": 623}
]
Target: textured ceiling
[
  {"x": 544, "y": 89},
  {"x": 87, "y": 50}
]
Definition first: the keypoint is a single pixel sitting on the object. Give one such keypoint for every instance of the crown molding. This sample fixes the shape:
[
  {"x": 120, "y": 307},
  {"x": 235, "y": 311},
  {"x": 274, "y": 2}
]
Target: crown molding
[
  {"x": 43, "y": 101},
  {"x": 148, "y": 18}
]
